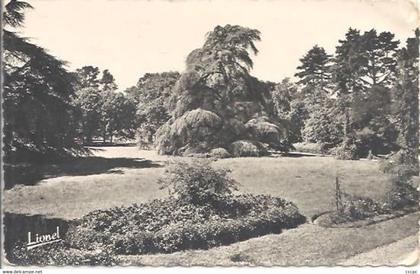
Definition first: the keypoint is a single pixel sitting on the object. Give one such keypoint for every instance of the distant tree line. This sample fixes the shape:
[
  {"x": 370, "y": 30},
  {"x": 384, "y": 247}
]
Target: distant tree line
[{"x": 360, "y": 101}]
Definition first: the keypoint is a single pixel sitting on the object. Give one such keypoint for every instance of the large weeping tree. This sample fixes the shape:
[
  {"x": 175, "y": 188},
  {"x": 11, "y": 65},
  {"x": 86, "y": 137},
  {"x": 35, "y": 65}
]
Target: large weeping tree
[
  {"x": 38, "y": 117},
  {"x": 218, "y": 104}
]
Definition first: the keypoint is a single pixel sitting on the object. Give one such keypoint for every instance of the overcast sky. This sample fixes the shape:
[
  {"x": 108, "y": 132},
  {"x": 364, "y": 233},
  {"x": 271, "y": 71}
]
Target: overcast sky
[{"x": 133, "y": 37}]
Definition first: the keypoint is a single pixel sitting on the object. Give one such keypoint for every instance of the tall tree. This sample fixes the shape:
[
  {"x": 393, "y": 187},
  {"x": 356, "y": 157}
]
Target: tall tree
[
  {"x": 364, "y": 72},
  {"x": 38, "y": 116},
  {"x": 406, "y": 103},
  {"x": 365, "y": 60},
  {"x": 314, "y": 70},
  {"x": 217, "y": 101}
]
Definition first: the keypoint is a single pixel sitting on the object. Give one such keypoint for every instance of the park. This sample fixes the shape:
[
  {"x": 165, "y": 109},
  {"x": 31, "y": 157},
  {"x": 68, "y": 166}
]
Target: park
[{"x": 211, "y": 165}]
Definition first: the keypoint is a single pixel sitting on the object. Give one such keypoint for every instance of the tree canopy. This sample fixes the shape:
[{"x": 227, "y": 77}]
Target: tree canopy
[
  {"x": 217, "y": 86},
  {"x": 38, "y": 116}
]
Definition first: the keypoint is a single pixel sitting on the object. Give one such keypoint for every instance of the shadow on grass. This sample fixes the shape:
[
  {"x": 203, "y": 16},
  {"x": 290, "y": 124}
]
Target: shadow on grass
[{"x": 31, "y": 174}]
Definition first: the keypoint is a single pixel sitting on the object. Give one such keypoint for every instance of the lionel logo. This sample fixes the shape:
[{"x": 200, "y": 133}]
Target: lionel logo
[{"x": 41, "y": 240}]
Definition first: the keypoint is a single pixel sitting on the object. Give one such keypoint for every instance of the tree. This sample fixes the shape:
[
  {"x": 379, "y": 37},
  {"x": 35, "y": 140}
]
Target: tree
[
  {"x": 38, "y": 116},
  {"x": 324, "y": 125},
  {"x": 406, "y": 103},
  {"x": 152, "y": 95},
  {"x": 315, "y": 69},
  {"x": 283, "y": 94},
  {"x": 217, "y": 101},
  {"x": 117, "y": 115},
  {"x": 364, "y": 71},
  {"x": 88, "y": 102},
  {"x": 87, "y": 77},
  {"x": 365, "y": 60},
  {"x": 108, "y": 81},
  {"x": 102, "y": 112},
  {"x": 370, "y": 122}
]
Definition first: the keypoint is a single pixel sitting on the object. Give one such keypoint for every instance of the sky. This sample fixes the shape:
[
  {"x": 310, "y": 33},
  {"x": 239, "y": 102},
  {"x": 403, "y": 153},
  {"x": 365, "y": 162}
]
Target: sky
[{"x": 134, "y": 37}]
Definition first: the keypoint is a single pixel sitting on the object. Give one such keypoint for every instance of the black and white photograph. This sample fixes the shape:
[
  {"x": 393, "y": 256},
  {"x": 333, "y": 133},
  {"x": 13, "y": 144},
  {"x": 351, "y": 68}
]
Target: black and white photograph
[{"x": 246, "y": 133}]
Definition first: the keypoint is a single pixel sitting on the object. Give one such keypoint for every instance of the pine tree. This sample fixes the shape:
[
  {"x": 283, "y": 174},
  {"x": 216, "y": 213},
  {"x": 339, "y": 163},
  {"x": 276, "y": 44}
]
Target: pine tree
[
  {"x": 406, "y": 103},
  {"x": 315, "y": 69}
]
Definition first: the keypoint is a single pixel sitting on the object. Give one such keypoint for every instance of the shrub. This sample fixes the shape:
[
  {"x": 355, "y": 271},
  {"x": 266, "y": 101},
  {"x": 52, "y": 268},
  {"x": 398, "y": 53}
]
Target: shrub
[
  {"x": 246, "y": 148},
  {"x": 171, "y": 225},
  {"x": 59, "y": 254},
  {"x": 401, "y": 196},
  {"x": 346, "y": 152},
  {"x": 220, "y": 153},
  {"x": 401, "y": 164},
  {"x": 197, "y": 182},
  {"x": 358, "y": 208},
  {"x": 265, "y": 131}
]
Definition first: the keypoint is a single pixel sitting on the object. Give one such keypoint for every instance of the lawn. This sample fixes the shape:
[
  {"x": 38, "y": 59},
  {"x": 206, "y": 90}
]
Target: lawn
[{"x": 116, "y": 176}]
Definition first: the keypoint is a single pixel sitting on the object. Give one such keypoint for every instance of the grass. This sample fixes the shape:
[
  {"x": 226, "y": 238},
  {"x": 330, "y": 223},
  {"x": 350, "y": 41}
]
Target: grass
[
  {"x": 307, "y": 181},
  {"x": 306, "y": 245}
]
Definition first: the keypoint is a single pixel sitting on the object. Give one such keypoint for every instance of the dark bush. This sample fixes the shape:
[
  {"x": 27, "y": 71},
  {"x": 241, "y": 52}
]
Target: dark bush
[{"x": 171, "y": 225}]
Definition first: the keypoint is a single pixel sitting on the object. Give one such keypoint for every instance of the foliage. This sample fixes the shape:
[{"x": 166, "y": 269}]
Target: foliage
[
  {"x": 118, "y": 115},
  {"x": 402, "y": 195},
  {"x": 58, "y": 254},
  {"x": 400, "y": 163},
  {"x": 13, "y": 14},
  {"x": 202, "y": 213},
  {"x": 262, "y": 130},
  {"x": 195, "y": 129},
  {"x": 297, "y": 117},
  {"x": 371, "y": 122},
  {"x": 346, "y": 151},
  {"x": 406, "y": 102},
  {"x": 315, "y": 69},
  {"x": 197, "y": 182},
  {"x": 217, "y": 80},
  {"x": 87, "y": 77},
  {"x": 107, "y": 81},
  {"x": 38, "y": 116},
  {"x": 324, "y": 125},
  {"x": 220, "y": 153},
  {"x": 171, "y": 225},
  {"x": 364, "y": 60},
  {"x": 247, "y": 148},
  {"x": 282, "y": 95},
  {"x": 152, "y": 96},
  {"x": 101, "y": 111}
]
